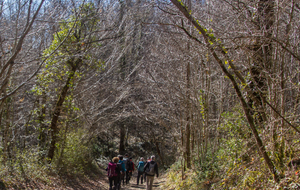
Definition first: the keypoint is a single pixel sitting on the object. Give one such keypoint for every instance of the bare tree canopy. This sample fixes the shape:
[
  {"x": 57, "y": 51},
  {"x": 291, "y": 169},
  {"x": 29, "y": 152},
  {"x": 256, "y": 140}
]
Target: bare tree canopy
[{"x": 209, "y": 87}]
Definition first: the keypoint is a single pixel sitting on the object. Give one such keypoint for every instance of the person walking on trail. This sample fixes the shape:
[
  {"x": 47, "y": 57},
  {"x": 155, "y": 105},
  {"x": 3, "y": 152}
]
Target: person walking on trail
[
  {"x": 112, "y": 173},
  {"x": 125, "y": 159},
  {"x": 123, "y": 169},
  {"x": 150, "y": 169},
  {"x": 148, "y": 160},
  {"x": 140, "y": 169},
  {"x": 119, "y": 172},
  {"x": 129, "y": 169}
]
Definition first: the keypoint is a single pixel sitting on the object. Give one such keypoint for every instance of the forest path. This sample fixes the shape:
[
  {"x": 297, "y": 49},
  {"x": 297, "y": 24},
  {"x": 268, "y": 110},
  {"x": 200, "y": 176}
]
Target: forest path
[
  {"x": 157, "y": 184},
  {"x": 86, "y": 182}
]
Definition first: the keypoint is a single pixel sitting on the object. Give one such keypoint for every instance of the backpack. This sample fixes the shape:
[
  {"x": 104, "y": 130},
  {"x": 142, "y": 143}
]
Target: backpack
[
  {"x": 118, "y": 168},
  {"x": 123, "y": 167},
  {"x": 125, "y": 162},
  {"x": 111, "y": 169},
  {"x": 141, "y": 166},
  {"x": 151, "y": 169},
  {"x": 129, "y": 166}
]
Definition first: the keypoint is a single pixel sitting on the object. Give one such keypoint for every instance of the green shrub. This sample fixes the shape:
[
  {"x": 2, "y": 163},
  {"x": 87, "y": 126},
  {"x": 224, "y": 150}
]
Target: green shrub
[
  {"x": 73, "y": 155},
  {"x": 24, "y": 167}
]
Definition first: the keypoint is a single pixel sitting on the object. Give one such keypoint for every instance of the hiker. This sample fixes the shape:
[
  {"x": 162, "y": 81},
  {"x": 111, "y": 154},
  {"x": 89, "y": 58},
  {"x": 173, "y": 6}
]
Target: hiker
[
  {"x": 150, "y": 169},
  {"x": 148, "y": 160},
  {"x": 112, "y": 173},
  {"x": 129, "y": 169},
  {"x": 119, "y": 174},
  {"x": 123, "y": 169},
  {"x": 125, "y": 159},
  {"x": 140, "y": 169}
]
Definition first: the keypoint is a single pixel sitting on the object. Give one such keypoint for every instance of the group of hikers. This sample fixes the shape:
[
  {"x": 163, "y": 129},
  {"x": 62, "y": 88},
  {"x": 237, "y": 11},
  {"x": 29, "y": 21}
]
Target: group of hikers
[{"x": 120, "y": 170}]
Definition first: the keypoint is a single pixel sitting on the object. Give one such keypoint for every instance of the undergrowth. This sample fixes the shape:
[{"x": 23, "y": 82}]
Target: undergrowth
[
  {"x": 233, "y": 163},
  {"x": 252, "y": 175},
  {"x": 25, "y": 167},
  {"x": 73, "y": 158}
]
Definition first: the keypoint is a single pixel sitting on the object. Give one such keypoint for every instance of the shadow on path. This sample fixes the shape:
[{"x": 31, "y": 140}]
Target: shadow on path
[{"x": 156, "y": 185}]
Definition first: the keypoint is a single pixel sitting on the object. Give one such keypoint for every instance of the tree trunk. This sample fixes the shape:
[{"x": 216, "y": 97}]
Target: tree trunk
[
  {"x": 43, "y": 127},
  {"x": 56, "y": 114},
  {"x": 188, "y": 124},
  {"x": 122, "y": 139},
  {"x": 159, "y": 153},
  {"x": 7, "y": 133},
  {"x": 59, "y": 163}
]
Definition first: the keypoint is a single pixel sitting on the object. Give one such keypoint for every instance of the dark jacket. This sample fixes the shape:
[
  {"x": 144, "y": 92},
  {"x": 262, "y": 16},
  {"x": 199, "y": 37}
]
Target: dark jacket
[
  {"x": 119, "y": 168},
  {"x": 147, "y": 169},
  {"x": 130, "y": 166}
]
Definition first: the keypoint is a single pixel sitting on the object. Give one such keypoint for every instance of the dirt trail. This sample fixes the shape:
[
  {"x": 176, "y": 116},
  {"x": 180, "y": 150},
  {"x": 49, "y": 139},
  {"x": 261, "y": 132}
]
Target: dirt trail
[
  {"x": 99, "y": 182},
  {"x": 157, "y": 184}
]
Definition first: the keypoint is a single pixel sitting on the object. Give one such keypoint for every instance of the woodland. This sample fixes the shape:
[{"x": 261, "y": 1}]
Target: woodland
[{"x": 211, "y": 87}]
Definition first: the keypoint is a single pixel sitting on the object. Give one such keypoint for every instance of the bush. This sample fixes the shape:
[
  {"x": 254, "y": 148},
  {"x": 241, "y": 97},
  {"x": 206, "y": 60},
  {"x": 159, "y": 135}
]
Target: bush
[
  {"x": 25, "y": 167},
  {"x": 73, "y": 155}
]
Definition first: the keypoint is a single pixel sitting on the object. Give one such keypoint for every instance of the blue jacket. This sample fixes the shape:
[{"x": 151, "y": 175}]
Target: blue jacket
[
  {"x": 123, "y": 165},
  {"x": 141, "y": 166}
]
